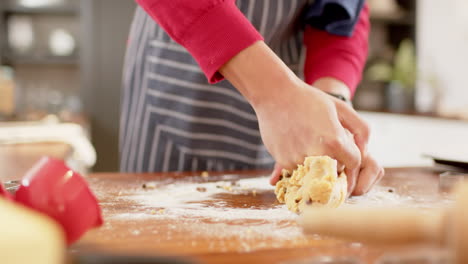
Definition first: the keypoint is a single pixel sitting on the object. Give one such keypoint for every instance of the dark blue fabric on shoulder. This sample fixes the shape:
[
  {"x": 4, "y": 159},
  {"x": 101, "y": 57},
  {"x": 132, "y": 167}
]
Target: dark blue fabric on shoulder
[{"x": 337, "y": 17}]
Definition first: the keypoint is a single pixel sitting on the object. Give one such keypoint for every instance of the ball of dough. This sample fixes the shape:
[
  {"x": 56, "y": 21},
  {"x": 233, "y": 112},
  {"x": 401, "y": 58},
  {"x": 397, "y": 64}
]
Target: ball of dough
[{"x": 315, "y": 183}]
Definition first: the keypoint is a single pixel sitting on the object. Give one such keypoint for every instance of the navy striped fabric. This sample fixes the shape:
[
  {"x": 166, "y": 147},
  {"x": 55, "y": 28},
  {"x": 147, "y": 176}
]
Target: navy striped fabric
[{"x": 173, "y": 120}]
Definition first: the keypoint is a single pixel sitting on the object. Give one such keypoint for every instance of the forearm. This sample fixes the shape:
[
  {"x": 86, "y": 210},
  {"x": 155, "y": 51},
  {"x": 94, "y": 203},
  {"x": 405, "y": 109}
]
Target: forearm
[{"x": 259, "y": 74}]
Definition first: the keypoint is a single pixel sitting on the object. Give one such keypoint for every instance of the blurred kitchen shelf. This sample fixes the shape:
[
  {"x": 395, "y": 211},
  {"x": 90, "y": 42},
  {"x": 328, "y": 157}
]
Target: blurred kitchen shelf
[
  {"x": 64, "y": 117},
  {"x": 62, "y": 11},
  {"x": 394, "y": 19},
  {"x": 19, "y": 60}
]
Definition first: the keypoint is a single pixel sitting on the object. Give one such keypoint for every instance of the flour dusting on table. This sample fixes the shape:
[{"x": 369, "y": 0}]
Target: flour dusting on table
[
  {"x": 216, "y": 209},
  {"x": 382, "y": 196},
  {"x": 183, "y": 199},
  {"x": 199, "y": 200},
  {"x": 200, "y": 211}
]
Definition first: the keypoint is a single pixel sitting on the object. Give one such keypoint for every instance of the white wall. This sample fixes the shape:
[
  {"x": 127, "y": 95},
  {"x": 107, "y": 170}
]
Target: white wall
[{"x": 442, "y": 46}]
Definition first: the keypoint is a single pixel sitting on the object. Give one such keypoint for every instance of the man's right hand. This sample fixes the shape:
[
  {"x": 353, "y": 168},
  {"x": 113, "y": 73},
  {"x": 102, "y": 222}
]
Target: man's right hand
[
  {"x": 305, "y": 122},
  {"x": 295, "y": 119}
]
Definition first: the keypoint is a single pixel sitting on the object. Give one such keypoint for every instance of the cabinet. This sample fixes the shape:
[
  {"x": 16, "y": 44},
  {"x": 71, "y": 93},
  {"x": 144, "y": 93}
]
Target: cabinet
[
  {"x": 41, "y": 42},
  {"x": 88, "y": 80}
]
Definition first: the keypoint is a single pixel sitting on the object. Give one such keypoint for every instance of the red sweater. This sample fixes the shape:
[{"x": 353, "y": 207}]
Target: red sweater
[{"x": 214, "y": 31}]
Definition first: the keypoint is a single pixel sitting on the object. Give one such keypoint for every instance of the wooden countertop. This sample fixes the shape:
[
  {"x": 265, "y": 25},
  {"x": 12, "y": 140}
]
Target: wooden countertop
[
  {"x": 17, "y": 159},
  {"x": 136, "y": 228}
]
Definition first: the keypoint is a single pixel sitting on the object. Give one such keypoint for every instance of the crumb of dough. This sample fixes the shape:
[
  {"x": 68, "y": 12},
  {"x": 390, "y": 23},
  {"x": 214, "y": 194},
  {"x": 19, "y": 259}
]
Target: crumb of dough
[
  {"x": 235, "y": 183},
  {"x": 227, "y": 188},
  {"x": 201, "y": 189},
  {"x": 314, "y": 183},
  {"x": 149, "y": 186}
]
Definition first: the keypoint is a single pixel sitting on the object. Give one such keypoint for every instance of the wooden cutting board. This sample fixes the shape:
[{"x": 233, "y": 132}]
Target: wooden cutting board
[{"x": 233, "y": 218}]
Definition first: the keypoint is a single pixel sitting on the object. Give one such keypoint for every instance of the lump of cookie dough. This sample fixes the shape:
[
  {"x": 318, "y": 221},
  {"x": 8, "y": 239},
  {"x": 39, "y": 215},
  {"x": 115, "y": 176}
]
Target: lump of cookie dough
[{"x": 314, "y": 183}]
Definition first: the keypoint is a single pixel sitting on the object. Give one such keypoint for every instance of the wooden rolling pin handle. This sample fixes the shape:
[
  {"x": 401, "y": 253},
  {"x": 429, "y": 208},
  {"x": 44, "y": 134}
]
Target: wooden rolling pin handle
[
  {"x": 378, "y": 225},
  {"x": 397, "y": 225},
  {"x": 457, "y": 233}
]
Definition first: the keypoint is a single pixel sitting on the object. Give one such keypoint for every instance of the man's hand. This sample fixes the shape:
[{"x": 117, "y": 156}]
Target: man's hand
[
  {"x": 370, "y": 171},
  {"x": 305, "y": 122},
  {"x": 295, "y": 119}
]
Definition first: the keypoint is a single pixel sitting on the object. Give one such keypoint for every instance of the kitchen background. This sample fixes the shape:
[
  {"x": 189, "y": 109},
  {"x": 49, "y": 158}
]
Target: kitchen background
[{"x": 64, "y": 58}]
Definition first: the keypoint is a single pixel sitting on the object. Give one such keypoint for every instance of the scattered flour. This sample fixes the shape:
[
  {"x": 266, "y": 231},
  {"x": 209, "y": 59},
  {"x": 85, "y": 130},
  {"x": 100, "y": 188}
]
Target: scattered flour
[
  {"x": 206, "y": 209},
  {"x": 183, "y": 199},
  {"x": 380, "y": 196},
  {"x": 198, "y": 200}
]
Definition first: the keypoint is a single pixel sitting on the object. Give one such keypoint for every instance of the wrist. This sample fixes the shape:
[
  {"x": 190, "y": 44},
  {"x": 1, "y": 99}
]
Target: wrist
[
  {"x": 333, "y": 87},
  {"x": 259, "y": 74},
  {"x": 341, "y": 97}
]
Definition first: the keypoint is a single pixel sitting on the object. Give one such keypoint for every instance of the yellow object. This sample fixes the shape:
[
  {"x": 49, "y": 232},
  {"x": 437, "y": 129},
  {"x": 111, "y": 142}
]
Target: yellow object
[
  {"x": 315, "y": 183},
  {"x": 29, "y": 237}
]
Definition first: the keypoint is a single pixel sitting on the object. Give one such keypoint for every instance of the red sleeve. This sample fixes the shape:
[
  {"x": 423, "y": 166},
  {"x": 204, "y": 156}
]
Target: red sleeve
[
  {"x": 335, "y": 56},
  {"x": 213, "y": 31}
]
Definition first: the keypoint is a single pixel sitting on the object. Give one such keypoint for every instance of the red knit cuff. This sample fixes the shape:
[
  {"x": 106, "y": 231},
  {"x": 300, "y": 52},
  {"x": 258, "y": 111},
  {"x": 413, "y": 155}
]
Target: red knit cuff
[
  {"x": 334, "y": 67},
  {"x": 339, "y": 57},
  {"x": 217, "y": 36}
]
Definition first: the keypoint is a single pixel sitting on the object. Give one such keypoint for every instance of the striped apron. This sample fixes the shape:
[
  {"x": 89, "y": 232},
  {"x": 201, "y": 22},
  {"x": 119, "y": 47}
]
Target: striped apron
[{"x": 173, "y": 120}]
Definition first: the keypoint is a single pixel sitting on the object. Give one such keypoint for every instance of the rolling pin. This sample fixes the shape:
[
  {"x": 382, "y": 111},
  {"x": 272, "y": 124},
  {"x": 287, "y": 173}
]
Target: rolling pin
[
  {"x": 447, "y": 227},
  {"x": 28, "y": 236}
]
